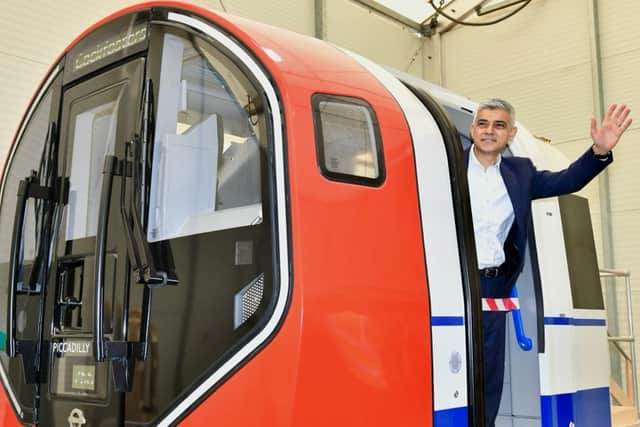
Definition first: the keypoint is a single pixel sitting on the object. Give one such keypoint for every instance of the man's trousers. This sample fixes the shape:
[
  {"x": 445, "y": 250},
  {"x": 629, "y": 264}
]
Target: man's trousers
[{"x": 493, "y": 329}]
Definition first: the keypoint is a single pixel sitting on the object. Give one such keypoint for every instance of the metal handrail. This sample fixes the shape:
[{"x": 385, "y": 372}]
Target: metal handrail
[
  {"x": 619, "y": 347},
  {"x": 607, "y": 272}
]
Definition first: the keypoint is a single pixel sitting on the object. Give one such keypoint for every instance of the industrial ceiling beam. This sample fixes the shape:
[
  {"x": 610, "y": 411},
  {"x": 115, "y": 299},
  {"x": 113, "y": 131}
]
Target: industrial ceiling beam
[
  {"x": 320, "y": 15},
  {"x": 463, "y": 9}
]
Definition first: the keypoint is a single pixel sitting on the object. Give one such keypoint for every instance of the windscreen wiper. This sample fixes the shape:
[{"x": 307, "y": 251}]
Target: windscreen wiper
[
  {"x": 143, "y": 258},
  {"x": 39, "y": 185},
  {"x": 132, "y": 169}
]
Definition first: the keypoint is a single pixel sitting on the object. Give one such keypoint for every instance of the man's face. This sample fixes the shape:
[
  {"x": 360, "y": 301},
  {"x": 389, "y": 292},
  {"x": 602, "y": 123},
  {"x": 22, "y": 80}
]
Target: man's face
[{"x": 491, "y": 131}]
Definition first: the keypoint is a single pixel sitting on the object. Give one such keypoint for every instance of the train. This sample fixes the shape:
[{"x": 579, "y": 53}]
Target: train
[{"x": 207, "y": 220}]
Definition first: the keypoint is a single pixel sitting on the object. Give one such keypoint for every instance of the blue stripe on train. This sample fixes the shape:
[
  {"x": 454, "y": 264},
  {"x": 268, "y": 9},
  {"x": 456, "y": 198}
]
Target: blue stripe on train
[
  {"x": 585, "y": 408},
  {"x": 455, "y": 417},
  {"x": 573, "y": 321},
  {"x": 447, "y": 321},
  {"x": 459, "y": 321}
]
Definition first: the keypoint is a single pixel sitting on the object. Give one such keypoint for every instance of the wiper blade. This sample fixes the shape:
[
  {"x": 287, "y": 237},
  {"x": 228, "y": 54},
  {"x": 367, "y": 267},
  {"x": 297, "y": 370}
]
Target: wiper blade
[
  {"x": 149, "y": 272},
  {"x": 132, "y": 170}
]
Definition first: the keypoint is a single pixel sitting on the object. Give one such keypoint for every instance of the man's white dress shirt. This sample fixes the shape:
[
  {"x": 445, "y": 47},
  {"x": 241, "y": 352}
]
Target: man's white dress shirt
[{"x": 491, "y": 210}]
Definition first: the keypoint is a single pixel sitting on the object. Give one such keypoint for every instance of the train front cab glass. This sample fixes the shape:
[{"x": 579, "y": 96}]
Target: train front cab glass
[{"x": 127, "y": 226}]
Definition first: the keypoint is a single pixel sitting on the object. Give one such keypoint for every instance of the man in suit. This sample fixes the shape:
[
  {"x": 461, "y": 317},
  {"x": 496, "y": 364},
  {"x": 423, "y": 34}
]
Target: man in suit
[{"x": 501, "y": 190}]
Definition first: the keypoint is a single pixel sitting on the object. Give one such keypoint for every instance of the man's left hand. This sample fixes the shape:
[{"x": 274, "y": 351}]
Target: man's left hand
[{"x": 615, "y": 122}]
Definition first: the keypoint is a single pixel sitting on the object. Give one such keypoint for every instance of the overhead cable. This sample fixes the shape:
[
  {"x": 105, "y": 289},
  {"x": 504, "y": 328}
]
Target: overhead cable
[{"x": 439, "y": 11}]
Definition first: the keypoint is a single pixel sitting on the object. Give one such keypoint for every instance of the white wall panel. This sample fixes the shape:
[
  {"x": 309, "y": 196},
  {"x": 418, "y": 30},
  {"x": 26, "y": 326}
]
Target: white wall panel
[
  {"x": 536, "y": 40},
  {"x": 39, "y": 31},
  {"x": 621, "y": 79},
  {"x": 370, "y": 34},
  {"x": 296, "y": 16},
  {"x": 19, "y": 79},
  {"x": 624, "y": 176},
  {"x": 621, "y": 61},
  {"x": 556, "y": 104},
  {"x": 619, "y": 27},
  {"x": 627, "y": 235}
]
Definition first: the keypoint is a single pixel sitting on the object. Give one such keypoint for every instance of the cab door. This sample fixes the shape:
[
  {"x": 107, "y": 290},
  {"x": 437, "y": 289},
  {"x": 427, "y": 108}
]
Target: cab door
[{"x": 87, "y": 289}]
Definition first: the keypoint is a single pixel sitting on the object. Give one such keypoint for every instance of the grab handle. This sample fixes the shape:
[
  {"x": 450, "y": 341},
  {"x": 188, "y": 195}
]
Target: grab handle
[{"x": 524, "y": 341}]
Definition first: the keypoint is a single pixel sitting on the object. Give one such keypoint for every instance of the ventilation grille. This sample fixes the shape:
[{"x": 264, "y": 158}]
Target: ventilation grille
[{"x": 248, "y": 300}]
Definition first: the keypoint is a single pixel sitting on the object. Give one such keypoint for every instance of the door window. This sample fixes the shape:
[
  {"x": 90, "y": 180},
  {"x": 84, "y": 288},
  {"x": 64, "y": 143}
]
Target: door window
[{"x": 93, "y": 133}]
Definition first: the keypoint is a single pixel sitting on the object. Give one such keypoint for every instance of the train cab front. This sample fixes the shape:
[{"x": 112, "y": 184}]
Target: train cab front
[{"x": 140, "y": 220}]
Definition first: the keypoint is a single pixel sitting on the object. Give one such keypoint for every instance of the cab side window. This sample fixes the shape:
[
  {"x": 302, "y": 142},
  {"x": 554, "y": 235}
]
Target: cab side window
[
  {"x": 32, "y": 151},
  {"x": 210, "y": 204},
  {"x": 27, "y": 156},
  {"x": 349, "y": 146},
  {"x": 206, "y": 167}
]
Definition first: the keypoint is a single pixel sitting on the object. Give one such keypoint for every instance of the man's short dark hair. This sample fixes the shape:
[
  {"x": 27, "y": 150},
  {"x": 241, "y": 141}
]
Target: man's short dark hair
[{"x": 497, "y": 104}]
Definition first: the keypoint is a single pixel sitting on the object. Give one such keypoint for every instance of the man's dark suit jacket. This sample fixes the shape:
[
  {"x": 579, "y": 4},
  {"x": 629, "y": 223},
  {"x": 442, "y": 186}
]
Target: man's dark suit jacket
[{"x": 525, "y": 183}]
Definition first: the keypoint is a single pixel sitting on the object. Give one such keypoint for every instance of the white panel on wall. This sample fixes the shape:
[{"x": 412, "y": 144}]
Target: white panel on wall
[
  {"x": 619, "y": 29},
  {"x": 624, "y": 176},
  {"x": 24, "y": 76},
  {"x": 39, "y": 32},
  {"x": 368, "y": 33},
  {"x": 620, "y": 33},
  {"x": 621, "y": 79},
  {"x": 536, "y": 40},
  {"x": 621, "y": 60},
  {"x": 627, "y": 235},
  {"x": 296, "y": 16},
  {"x": 555, "y": 104}
]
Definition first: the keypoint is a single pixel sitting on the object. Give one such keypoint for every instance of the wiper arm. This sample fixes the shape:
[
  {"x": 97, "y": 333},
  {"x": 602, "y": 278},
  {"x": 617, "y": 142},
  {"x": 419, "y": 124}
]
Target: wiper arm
[
  {"x": 143, "y": 259},
  {"x": 28, "y": 188},
  {"x": 140, "y": 253}
]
